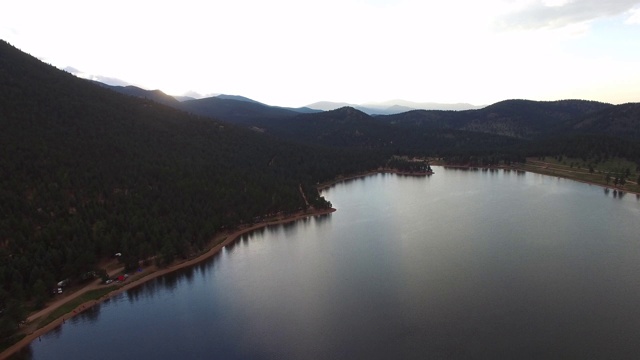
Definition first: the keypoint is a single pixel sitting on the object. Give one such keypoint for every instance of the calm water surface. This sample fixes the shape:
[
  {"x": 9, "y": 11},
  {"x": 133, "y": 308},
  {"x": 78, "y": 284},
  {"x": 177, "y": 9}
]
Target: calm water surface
[{"x": 461, "y": 264}]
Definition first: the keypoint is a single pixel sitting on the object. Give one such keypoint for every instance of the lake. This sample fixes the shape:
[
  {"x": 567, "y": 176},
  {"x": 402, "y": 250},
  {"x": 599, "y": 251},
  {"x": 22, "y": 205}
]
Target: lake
[{"x": 462, "y": 264}]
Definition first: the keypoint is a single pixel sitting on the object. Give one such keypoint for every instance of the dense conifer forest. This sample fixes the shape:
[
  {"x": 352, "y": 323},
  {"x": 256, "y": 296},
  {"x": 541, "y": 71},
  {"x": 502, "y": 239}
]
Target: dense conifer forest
[{"x": 86, "y": 172}]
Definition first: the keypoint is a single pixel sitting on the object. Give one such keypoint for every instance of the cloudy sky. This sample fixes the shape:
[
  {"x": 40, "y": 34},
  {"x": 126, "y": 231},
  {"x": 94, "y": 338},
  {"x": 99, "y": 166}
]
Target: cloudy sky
[{"x": 295, "y": 52}]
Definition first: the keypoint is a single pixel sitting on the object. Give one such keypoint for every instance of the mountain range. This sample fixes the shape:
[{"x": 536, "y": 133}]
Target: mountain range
[
  {"x": 380, "y": 108},
  {"x": 392, "y": 106},
  {"x": 514, "y": 119}
]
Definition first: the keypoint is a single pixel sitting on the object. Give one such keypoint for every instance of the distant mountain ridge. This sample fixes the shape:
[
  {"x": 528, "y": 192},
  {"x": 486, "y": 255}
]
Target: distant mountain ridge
[
  {"x": 510, "y": 126},
  {"x": 513, "y": 118},
  {"x": 343, "y": 127},
  {"x": 154, "y": 95},
  {"x": 230, "y": 108},
  {"x": 619, "y": 121},
  {"x": 237, "y": 97},
  {"x": 184, "y": 98},
  {"x": 246, "y": 99},
  {"x": 392, "y": 106},
  {"x": 384, "y": 108},
  {"x": 525, "y": 119}
]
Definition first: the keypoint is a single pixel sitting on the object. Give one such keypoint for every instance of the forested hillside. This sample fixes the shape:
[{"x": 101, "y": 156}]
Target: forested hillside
[
  {"x": 154, "y": 95},
  {"x": 229, "y": 108},
  {"x": 233, "y": 110},
  {"x": 352, "y": 130},
  {"x": 621, "y": 121},
  {"x": 506, "y": 131},
  {"x": 523, "y": 119},
  {"x": 86, "y": 172}
]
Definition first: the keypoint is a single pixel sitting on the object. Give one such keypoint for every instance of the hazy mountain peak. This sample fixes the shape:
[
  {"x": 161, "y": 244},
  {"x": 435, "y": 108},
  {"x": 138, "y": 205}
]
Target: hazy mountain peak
[
  {"x": 392, "y": 106},
  {"x": 404, "y": 105},
  {"x": 328, "y": 105},
  {"x": 155, "y": 95},
  {"x": 237, "y": 97},
  {"x": 99, "y": 78}
]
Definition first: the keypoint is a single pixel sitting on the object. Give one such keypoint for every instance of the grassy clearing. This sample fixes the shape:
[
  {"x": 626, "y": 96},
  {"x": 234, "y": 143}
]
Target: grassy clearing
[
  {"x": 612, "y": 165},
  {"x": 74, "y": 303},
  {"x": 577, "y": 169}
]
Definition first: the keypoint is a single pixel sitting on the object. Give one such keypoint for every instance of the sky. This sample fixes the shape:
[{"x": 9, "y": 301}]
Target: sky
[{"x": 296, "y": 52}]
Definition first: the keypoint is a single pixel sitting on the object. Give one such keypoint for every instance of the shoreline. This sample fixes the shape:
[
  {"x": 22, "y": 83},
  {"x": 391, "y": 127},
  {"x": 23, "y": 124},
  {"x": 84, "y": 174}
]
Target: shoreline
[
  {"x": 218, "y": 242},
  {"x": 328, "y": 184},
  {"x": 225, "y": 238},
  {"x": 541, "y": 172}
]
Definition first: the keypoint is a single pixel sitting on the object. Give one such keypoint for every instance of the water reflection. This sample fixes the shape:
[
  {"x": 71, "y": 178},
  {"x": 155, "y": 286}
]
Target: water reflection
[
  {"x": 91, "y": 313},
  {"x": 171, "y": 281},
  {"x": 259, "y": 231},
  {"x": 319, "y": 219},
  {"x": 358, "y": 179},
  {"x": 145, "y": 290},
  {"x": 188, "y": 274},
  {"x": 244, "y": 240},
  {"x": 291, "y": 227}
]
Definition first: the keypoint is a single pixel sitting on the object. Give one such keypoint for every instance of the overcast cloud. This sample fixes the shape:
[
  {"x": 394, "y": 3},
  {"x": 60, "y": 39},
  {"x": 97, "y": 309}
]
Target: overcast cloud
[
  {"x": 103, "y": 79},
  {"x": 555, "y": 14}
]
